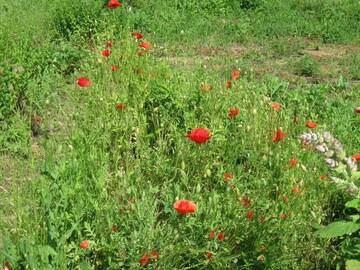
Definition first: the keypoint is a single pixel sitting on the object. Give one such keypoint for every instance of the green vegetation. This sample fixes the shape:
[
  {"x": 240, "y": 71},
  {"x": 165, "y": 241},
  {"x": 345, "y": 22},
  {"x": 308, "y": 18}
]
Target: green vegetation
[{"x": 89, "y": 175}]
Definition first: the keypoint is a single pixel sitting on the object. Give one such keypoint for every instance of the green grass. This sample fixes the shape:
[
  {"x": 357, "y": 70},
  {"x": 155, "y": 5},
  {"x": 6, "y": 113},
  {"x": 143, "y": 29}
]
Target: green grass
[{"x": 88, "y": 168}]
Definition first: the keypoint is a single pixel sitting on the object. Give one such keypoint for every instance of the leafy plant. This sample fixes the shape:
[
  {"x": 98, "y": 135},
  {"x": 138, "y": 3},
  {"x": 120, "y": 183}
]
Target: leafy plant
[{"x": 306, "y": 66}]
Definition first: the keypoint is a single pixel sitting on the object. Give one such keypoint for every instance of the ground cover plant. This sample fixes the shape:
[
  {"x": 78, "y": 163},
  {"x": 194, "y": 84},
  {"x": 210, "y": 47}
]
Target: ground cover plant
[{"x": 179, "y": 134}]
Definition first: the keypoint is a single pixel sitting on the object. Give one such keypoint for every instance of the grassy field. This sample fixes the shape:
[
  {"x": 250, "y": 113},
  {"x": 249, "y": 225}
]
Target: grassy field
[{"x": 179, "y": 134}]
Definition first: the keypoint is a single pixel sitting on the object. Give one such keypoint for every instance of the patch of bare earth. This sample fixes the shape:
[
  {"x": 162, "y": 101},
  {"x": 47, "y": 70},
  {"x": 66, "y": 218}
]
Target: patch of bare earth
[{"x": 262, "y": 61}]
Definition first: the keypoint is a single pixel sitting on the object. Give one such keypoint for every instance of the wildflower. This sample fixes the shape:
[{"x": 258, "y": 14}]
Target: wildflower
[
  {"x": 137, "y": 35},
  {"x": 228, "y": 176},
  {"x": 120, "y": 106},
  {"x": 205, "y": 87},
  {"x": 352, "y": 189},
  {"x": 282, "y": 216},
  {"x": 279, "y": 135},
  {"x": 261, "y": 259},
  {"x": 263, "y": 248},
  {"x": 296, "y": 189},
  {"x": 228, "y": 84},
  {"x": 83, "y": 82},
  {"x": 250, "y": 215},
  {"x": 221, "y": 236},
  {"x": 293, "y": 162},
  {"x": 286, "y": 199},
  {"x": 109, "y": 43},
  {"x": 115, "y": 67},
  {"x": 310, "y": 124},
  {"x": 235, "y": 74},
  {"x": 245, "y": 201},
  {"x": 155, "y": 255},
  {"x": 184, "y": 207},
  {"x": 323, "y": 177},
  {"x": 322, "y": 148},
  {"x": 209, "y": 255},
  {"x": 199, "y": 135},
  {"x": 145, "y": 259},
  {"x": 38, "y": 119},
  {"x": 85, "y": 244},
  {"x": 331, "y": 162},
  {"x": 114, "y": 4},
  {"x": 233, "y": 112},
  {"x": 212, "y": 234},
  {"x": 106, "y": 53},
  {"x": 356, "y": 157},
  {"x": 145, "y": 45},
  {"x": 351, "y": 163},
  {"x": 357, "y": 110},
  {"x": 276, "y": 106}
]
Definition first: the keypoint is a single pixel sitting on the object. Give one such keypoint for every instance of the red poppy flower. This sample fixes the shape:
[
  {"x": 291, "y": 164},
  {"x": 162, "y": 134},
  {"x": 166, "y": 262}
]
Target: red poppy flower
[
  {"x": 356, "y": 157},
  {"x": 109, "y": 43},
  {"x": 114, "y": 4},
  {"x": 38, "y": 119},
  {"x": 357, "y": 110},
  {"x": 310, "y": 124},
  {"x": 221, "y": 236},
  {"x": 199, "y": 135},
  {"x": 276, "y": 106},
  {"x": 245, "y": 201},
  {"x": 212, "y": 234},
  {"x": 106, "y": 52},
  {"x": 279, "y": 135},
  {"x": 145, "y": 45},
  {"x": 145, "y": 259},
  {"x": 184, "y": 207},
  {"x": 282, "y": 216},
  {"x": 250, "y": 215},
  {"x": 233, "y": 112},
  {"x": 228, "y": 84},
  {"x": 296, "y": 189},
  {"x": 85, "y": 244},
  {"x": 286, "y": 199},
  {"x": 235, "y": 74},
  {"x": 115, "y": 67},
  {"x": 137, "y": 35},
  {"x": 120, "y": 106},
  {"x": 83, "y": 82},
  {"x": 293, "y": 162},
  {"x": 209, "y": 255},
  {"x": 228, "y": 176},
  {"x": 155, "y": 255}
]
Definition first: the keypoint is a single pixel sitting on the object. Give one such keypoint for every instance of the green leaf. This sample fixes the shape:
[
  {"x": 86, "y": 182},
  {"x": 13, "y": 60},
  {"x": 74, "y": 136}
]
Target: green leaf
[
  {"x": 45, "y": 252},
  {"x": 338, "y": 228},
  {"x": 84, "y": 265},
  {"x": 353, "y": 204},
  {"x": 355, "y": 176},
  {"x": 355, "y": 218},
  {"x": 352, "y": 265},
  {"x": 341, "y": 169}
]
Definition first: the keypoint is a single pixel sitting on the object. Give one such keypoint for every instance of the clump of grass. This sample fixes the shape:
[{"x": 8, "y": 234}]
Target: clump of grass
[{"x": 306, "y": 66}]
